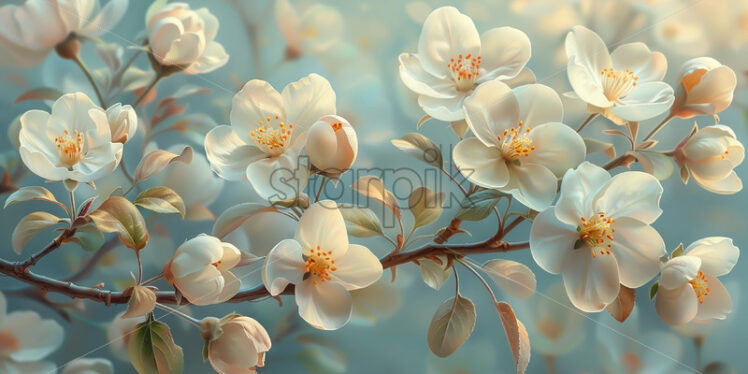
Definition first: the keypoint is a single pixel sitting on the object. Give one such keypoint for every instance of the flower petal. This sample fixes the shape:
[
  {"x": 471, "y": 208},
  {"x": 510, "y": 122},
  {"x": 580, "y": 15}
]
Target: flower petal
[
  {"x": 645, "y": 101},
  {"x": 717, "y": 303},
  {"x": 578, "y": 187},
  {"x": 278, "y": 178},
  {"x": 557, "y": 147},
  {"x": 307, "y": 100},
  {"x": 726, "y": 186},
  {"x": 284, "y": 264},
  {"x": 446, "y": 109},
  {"x": 646, "y": 65},
  {"x": 214, "y": 56},
  {"x": 37, "y": 337},
  {"x": 422, "y": 82},
  {"x": 323, "y": 225},
  {"x": 480, "y": 164},
  {"x": 591, "y": 282},
  {"x": 588, "y": 56},
  {"x": 504, "y": 53},
  {"x": 632, "y": 194},
  {"x": 637, "y": 248},
  {"x": 678, "y": 271},
  {"x": 551, "y": 241},
  {"x": 256, "y": 101},
  {"x": 228, "y": 154},
  {"x": 324, "y": 305},
  {"x": 533, "y": 185},
  {"x": 718, "y": 255},
  {"x": 446, "y": 34},
  {"x": 677, "y": 306},
  {"x": 490, "y": 110},
  {"x": 538, "y": 104},
  {"x": 715, "y": 87},
  {"x": 358, "y": 268}
]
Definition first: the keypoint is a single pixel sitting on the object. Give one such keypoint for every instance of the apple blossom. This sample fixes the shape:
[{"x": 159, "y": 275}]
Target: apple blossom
[
  {"x": 194, "y": 182},
  {"x": 332, "y": 144},
  {"x": 322, "y": 265},
  {"x": 705, "y": 87},
  {"x": 453, "y": 59},
  {"x": 235, "y": 344},
  {"x": 624, "y": 85},
  {"x": 200, "y": 270},
  {"x": 689, "y": 289},
  {"x": 598, "y": 235},
  {"x": 25, "y": 340},
  {"x": 314, "y": 31},
  {"x": 123, "y": 122},
  {"x": 521, "y": 147},
  {"x": 267, "y": 131},
  {"x": 710, "y": 155},
  {"x": 73, "y": 142},
  {"x": 184, "y": 39},
  {"x": 30, "y": 31},
  {"x": 89, "y": 366}
]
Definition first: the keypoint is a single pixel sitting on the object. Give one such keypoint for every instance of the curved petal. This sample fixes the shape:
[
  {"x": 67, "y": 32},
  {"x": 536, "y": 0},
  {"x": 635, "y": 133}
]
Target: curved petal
[
  {"x": 446, "y": 109},
  {"x": 446, "y": 34},
  {"x": 533, "y": 185},
  {"x": 645, "y": 101},
  {"x": 256, "y": 101},
  {"x": 678, "y": 271},
  {"x": 482, "y": 165},
  {"x": 718, "y": 254},
  {"x": 637, "y": 248},
  {"x": 324, "y": 305},
  {"x": 591, "y": 282},
  {"x": 231, "y": 286},
  {"x": 109, "y": 15},
  {"x": 278, "y": 178},
  {"x": 323, "y": 225},
  {"x": 422, "y": 82},
  {"x": 504, "y": 53},
  {"x": 40, "y": 165},
  {"x": 358, "y": 268},
  {"x": 678, "y": 306},
  {"x": 715, "y": 87},
  {"x": 726, "y": 186},
  {"x": 214, "y": 56},
  {"x": 557, "y": 147},
  {"x": 717, "y": 303},
  {"x": 578, "y": 187},
  {"x": 490, "y": 110},
  {"x": 228, "y": 154},
  {"x": 646, "y": 65},
  {"x": 632, "y": 194},
  {"x": 37, "y": 337},
  {"x": 538, "y": 104},
  {"x": 588, "y": 56},
  {"x": 551, "y": 241},
  {"x": 284, "y": 264},
  {"x": 202, "y": 287},
  {"x": 307, "y": 100}
]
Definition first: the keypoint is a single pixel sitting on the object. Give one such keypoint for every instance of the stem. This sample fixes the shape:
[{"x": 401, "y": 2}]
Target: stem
[
  {"x": 587, "y": 121},
  {"x": 91, "y": 80},
  {"x": 659, "y": 127},
  {"x": 178, "y": 313},
  {"x": 147, "y": 90},
  {"x": 480, "y": 277},
  {"x": 153, "y": 279},
  {"x": 512, "y": 225},
  {"x": 140, "y": 267},
  {"x": 619, "y": 161},
  {"x": 464, "y": 191},
  {"x": 125, "y": 172},
  {"x": 321, "y": 187},
  {"x": 73, "y": 211}
]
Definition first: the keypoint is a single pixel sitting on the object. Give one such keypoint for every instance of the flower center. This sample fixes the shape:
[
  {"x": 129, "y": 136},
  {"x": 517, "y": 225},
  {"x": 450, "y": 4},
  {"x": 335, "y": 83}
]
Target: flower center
[
  {"x": 336, "y": 126},
  {"x": 464, "y": 71},
  {"x": 597, "y": 233},
  {"x": 319, "y": 264},
  {"x": 8, "y": 343},
  {"x": 617, "y": 84},
  {"x": 272, "y": 138},
  {"x": 700, "y": 286},
  {"x": 515, "y": 143},
  {"x": 70, "y": 147}
]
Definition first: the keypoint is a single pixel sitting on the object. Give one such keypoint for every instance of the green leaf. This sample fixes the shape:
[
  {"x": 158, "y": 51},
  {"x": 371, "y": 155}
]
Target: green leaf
[
  {"x": 425, "y": 205},
  {"x": 119, "y": 215},
  {"x": 373, "y": 187},
  {"x": 41, "y": 93},
  {"x": 653, "y": 290},
  {"x": 162, "y": 200},
  {"x": 157, "y": 160},
  {"x": 360, "y": 222},
  {"x": 433, "y": 273},
  {"x": 152, "y": 349},
  {"x": 421, "y": 148},
  {"x": 452, "y": 324},
  {"x": 88, "y": 237},
  {"x": 29, "y": 226},
  {"x": 33, "y": 193},
  {"x": 512, "y": 277},
  {"x": 478, "y": 205},
  {"x": 677, "y": 251},
  {"x": 233, "y": 217}
]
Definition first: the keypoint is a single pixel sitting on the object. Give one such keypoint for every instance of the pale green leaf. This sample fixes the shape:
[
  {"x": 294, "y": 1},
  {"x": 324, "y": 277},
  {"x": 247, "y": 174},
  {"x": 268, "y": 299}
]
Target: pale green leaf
[
  {"x": 420, "y": 147},
  {"x": 233, "y": 217},
  {"x": 425, "y": 205},
  {"x": 433, "y": 273},
  {"x": 29, "y": 226},
  {"x": 512, "y": 277},
  {"x": 152, "y": 349},
  {"x": 117, "y": 214},
  {"x": 478, "y": 205},
  {"x": 162, "y": 200},
  {"x": 360, "y": 222},
  {"x": 33, "y": 193},
  {"x": 451, "y": 325}
]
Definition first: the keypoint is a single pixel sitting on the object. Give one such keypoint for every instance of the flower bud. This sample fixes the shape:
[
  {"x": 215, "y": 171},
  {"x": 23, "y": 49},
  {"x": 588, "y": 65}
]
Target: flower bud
[
  {"x": 234, "y": 343},
  {"x": 710, "y": 155},
  {"x": 123, "y": 122},
  {"x": 332, "y": 144},
  {"x": 705, "y": 88},
  {"x": 69, "y": 48}
]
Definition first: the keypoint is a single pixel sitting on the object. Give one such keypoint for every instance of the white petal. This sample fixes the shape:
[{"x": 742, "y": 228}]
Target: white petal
[
  {"x": 446, "y": 34},
  {"x": 504, "y": 53},
  {"x": 557, "y": 147},
  {"x": 307, "y": 100},
  {"x": 106, "y": 19},
  {"x": 715, "y": 87},
  {"x": 551, "y": 241},
  {"x": 228, "y": 154},
  {"x": 632, "y": 194},
  {"x": 358, "y": 268},
  {"x": 591, "y": 282},
  {"x": 202, "y": 287},
  {"x": 577, "y": 189},
  {"x": 678, "y": 271},
  {"x": 490, "y": 110},
  {"x": 422, "y": 82},
  {"x": 447, "y": 109},
  {"x": 717, "y": 303},
  {"x": 256, "y": 101},
  {"x": 214, "y": 56},
  {"x": 538, "y": 104},
  {"x": 637, "y": 248},
  {"x": 645, "y": 101},
  {"x": 645, "y": 64},
  {"x": 727, "y": 186},
  {"x": 37, "y": 337},
  {"x": 37, "y": 367},
  {"x": 588, "y": 56},
  {"x": 718, "y": 255},
  {"x": 678, "y": 306},
  {"x": 484, "y": 166},
  {"x": 325, "y": 305},
  {"x": 323, "y": 225},
  {"x": 278, "y": 178},
  {"x": 284, "y": 264},
  {"x": 231, "y": 286},
  {"x": 533, "y": 185}
]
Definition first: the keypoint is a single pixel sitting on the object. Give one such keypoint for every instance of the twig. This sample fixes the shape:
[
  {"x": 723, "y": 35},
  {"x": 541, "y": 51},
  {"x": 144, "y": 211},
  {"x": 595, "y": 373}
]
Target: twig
[
  {"x": 587, "y": 121},
  {"x": 91, "y": 80},
  {"x": 659, "y": 127},
  {"x": 147, "y": 90}
]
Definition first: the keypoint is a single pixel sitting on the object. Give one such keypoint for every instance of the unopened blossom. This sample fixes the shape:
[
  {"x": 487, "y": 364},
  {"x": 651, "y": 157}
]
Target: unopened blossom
[
  {"x": 705, "y": 88},
  {"x": 123, "y": 122},
  {"x": 72, "y": 142},
  {"x": 332, "y": 144},
  {"x": 235, "y": 344},
  {"x": 689, "y": 289},
  {"x": 520, "y": 145},
  {"x": 598, "y": 235},
  {"x": 267, "y": 132},
  {"x": 313, "y": 30},
  {"x": 710, "y": 156},
  {"x": 194, "y": 182},
  {"x": 201, "y": 270},
  {"x": 118, "y": 333},
  {"x": 25, "y": 340},
  {"x": 89, "y": 366},
  {"x": 453, "y": 59},
  {"x": 28, "y": 32},
  {"x": 323, "y": 266},
  {"x": 624, "y": 85},
  {"x": 184, "y": 39}
]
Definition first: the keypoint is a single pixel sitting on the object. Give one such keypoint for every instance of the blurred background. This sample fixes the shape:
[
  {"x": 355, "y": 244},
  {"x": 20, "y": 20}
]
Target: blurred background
[{"x": 355, "y": 45}]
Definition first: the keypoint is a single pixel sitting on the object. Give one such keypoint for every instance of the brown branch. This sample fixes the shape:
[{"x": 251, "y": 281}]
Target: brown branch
[
  {"x": 625, "y": 159},
  {"x": 23, "y": 266}
]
